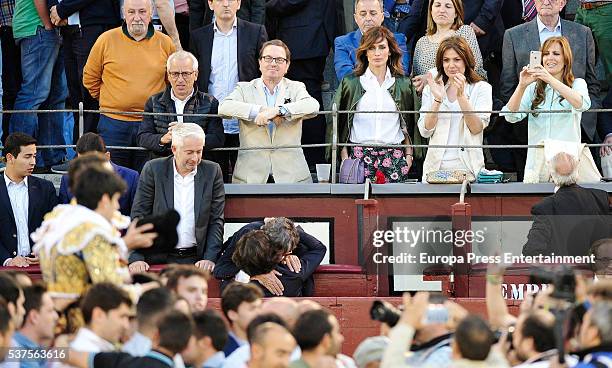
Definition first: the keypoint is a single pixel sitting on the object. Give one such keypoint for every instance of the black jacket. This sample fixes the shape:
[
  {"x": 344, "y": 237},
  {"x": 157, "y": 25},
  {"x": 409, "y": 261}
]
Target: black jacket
[
  {"x": 310, "y": 251},
  {"x": 250, "y": 39},
  {"x": 486, "y": 15},
  {"x": 155, "y": 195},
  {"x": 41, "y": 200},
  {"x": 253, "y": 11},
  {"x": 91, "y": 12},
  {"x": 154, "y": 127},
  {"x": 308, "y": 27},
  {"x": 568, "y": 222}
]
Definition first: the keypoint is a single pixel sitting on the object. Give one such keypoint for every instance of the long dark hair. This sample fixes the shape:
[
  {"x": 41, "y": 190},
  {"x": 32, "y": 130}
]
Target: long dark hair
[
  {"x": 371, "y": 37},
  {"x": 567, "y": 78},
  {"x": 461, "y": 47}
]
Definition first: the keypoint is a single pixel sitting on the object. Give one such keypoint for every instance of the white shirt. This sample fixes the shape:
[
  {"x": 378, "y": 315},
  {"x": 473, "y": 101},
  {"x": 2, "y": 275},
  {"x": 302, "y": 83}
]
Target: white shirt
[
  {"x": 546, "y": 33},
  {"x": 240, "y": 356},
  {"x": 87, "y": 341},
  {"x": 73, "y": 19},
  {"x": 18, "y": 195},
  {"x": 376, "y": 128},
  {"x": 224, "y": 69},
  {"x": 179, "y": 105},
  {"x": 138, "y": 345},
  {"x": 452, "y": 154},
  {"x": 184, "y": 204}
]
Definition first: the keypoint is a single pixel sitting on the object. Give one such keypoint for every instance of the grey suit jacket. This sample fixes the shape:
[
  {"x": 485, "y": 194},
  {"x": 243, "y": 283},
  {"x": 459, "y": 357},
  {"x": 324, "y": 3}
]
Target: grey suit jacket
[
  {"x": 155, "y": 195},
  {"x": 520, "y": 40}
]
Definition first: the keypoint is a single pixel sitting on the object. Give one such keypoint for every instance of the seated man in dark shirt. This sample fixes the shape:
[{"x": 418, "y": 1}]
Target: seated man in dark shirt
[
  {"x": 278, "y": 255},
  {"x": 175, "y": 331}
]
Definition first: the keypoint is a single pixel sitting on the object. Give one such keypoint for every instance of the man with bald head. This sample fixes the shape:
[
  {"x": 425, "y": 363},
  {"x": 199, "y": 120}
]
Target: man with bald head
[
  {"x": 285, "y": 308},
  {"x": 271, "y": 347},
  {"x": 569, "y": 221},
  {"x": 125, "y": 66}
]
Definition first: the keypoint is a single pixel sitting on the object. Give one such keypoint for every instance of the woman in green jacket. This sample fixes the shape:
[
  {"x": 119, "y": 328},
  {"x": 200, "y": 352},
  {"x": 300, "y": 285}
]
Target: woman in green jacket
[{"x": 377, "y": 84}]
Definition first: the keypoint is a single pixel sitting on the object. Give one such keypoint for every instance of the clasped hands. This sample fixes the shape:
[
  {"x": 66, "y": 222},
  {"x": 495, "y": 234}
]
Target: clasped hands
[
  {"x": 438, "y": 90},
  {"x": 268, "y": 114},
  {"x": 55, "y": 18}
]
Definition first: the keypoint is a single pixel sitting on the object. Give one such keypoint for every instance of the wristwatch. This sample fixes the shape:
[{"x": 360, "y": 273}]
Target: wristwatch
[{"x": 282, "y": 111}]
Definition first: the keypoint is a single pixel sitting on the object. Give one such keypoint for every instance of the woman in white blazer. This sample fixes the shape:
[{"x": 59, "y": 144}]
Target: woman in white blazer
[{"x": 454, "y": 86}]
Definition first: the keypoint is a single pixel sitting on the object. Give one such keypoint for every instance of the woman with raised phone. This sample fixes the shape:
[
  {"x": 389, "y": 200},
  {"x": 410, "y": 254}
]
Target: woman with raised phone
[
  {"x": 454, "y": 86},
  {"x": 551, "y": 86}
]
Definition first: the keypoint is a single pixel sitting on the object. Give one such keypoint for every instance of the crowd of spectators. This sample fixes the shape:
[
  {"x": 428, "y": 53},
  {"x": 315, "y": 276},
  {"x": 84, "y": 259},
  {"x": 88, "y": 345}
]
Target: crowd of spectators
[
  {"x": 168, "y": 58},
  {"x": 170, "y": 324}
]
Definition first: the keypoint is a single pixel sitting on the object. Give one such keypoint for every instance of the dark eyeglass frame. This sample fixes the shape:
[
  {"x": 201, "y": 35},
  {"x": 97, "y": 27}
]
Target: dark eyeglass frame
[
  {"x": 176, "y": 75},
  {"x": 277, "y": 60}
]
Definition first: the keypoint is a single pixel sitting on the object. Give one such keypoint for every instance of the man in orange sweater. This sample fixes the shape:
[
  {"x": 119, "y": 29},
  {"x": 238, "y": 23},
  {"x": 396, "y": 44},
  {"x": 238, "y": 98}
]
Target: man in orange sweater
[{"x": 127, "y": 65}]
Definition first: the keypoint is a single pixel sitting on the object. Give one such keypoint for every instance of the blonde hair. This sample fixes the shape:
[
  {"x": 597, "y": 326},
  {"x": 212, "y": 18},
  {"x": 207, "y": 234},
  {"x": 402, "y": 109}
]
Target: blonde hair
[
  {"x": 184, "y": 130},
  {"x": 180, "y": 55}
]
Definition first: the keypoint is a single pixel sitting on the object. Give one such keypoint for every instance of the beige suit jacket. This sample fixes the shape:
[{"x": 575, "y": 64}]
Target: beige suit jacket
[{"x": 287, "y": 165}]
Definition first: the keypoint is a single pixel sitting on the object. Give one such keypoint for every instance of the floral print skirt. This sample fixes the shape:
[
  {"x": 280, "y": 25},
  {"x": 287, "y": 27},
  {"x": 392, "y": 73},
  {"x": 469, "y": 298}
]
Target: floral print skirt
[{"x": 382, "y": 165}]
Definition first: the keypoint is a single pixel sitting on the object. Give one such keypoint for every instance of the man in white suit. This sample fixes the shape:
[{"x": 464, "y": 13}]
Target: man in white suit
[{"x": 270, "y": 110}]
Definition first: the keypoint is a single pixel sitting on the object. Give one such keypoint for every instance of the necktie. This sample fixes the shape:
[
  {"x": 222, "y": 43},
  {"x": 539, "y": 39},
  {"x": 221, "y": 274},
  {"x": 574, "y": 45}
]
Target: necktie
[{"x": 529, "y": 10}]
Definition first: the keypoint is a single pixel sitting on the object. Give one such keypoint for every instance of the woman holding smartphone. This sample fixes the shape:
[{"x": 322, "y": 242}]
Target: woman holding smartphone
[{"x": 550, "y": 86}]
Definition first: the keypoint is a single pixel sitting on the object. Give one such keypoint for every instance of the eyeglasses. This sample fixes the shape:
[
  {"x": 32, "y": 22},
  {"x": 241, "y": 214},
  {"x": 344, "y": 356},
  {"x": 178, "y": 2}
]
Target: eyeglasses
[
  {"x": 276, "y": 60},
  {"x": 176, "y": 75}
]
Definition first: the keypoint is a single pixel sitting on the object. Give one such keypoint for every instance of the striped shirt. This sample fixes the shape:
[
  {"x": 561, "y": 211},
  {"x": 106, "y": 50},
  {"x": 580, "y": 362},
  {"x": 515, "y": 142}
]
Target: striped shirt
[
  {"x": 7, "y": 7},
  {"x": 18, "y": 195}
]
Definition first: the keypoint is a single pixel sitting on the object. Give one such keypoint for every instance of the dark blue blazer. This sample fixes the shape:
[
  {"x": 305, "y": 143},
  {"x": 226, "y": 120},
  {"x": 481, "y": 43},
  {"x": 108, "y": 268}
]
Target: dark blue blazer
[
  {"x": 230, "y": 345},
  {"x": 310, "y": 251},
  {"x": 486, "y": 15},
  {"x": 125, "y": 202},
  {"x": 411, "y": 25},
  {"x": 307, "y": 27},
  {"x": 346, "y": 46},
  {"x": 41, "y": 197},
  {"x": 91, "y": 13}
]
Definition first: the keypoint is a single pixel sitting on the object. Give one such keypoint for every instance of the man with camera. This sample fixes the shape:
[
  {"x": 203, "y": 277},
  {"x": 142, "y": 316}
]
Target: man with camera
[
  {"x": 470, "y": 347},
  {"x": 422, "y": 327}
]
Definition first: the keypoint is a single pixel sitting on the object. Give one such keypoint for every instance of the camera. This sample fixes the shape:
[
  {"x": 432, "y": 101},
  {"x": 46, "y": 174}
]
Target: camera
[
  {"x": 562, "y": 278},
  {"x": 385, "y": 312}
]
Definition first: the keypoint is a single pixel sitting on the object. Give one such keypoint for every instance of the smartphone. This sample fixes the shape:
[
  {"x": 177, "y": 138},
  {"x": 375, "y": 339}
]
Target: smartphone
[{"x": 535, "y": 59}]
